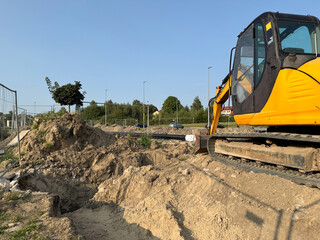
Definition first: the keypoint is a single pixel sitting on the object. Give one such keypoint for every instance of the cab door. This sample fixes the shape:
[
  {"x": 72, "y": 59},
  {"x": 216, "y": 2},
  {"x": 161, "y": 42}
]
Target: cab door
[{"x": 243, "y": 73}]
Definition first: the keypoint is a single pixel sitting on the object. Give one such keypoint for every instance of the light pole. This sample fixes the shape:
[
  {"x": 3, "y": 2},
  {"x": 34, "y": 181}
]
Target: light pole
[
  {"x": 148, "y": 117},
  {"x": 143, "y": 105},
  {"x": 209, "y": 97},
  {"x": 177, "y": 111},
  {"x": 105, "y": 109}
]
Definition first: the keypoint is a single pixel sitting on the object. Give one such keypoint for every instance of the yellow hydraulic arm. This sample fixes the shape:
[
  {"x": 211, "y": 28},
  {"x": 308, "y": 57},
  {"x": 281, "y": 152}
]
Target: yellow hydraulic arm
[{"x": 222, "y": 95}]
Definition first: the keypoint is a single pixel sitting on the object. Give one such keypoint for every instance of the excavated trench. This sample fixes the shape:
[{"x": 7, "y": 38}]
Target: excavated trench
[{"x": 73, "y": 194}]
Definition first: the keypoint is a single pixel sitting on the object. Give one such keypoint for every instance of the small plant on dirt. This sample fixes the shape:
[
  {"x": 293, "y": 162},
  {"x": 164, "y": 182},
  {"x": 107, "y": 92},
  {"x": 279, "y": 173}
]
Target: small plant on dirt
[
  {"x": 129, "y": 136},
  {"x": 45, "y": 117},
  {"x": 23, "y": 233},
  {"x": 145, "y": 140},
  {"x": 18, "y": 218},
  {"x": 32, "y": 221},
  {"x": 41, "y": 133},
  {"x": 40, "y": 136},
  {"x": 183, "y": 158},
  {"x": 48, "y": 146},
  {"x": 13, "y": 196},
  {"x": 8, "y": 155},
  {"x": 35, "y": 126},
  {"x": 3, "y": 215},
  {"x": 2, "y": 228}
]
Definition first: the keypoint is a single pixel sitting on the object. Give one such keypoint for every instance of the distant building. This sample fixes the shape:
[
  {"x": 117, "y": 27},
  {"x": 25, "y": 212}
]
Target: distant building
[
  {"x": 156, "y": 113},
  {"x": 226, "y": 111}
]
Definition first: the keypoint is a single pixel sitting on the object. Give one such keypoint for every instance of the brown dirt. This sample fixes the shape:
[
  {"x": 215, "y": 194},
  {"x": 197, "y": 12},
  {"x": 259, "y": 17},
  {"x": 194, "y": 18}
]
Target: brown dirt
[{"x": 113, "y": 188}]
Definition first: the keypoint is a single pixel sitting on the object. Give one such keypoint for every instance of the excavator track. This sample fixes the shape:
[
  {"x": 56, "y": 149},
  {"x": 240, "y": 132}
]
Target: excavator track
[{"x": 310, "y": 179}]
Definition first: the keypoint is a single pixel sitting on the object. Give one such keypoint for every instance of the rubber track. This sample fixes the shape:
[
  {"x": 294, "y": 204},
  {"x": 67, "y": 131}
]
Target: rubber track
[
  {"x": 308, "y": 179},
  {"x": 275, "y": 136}
]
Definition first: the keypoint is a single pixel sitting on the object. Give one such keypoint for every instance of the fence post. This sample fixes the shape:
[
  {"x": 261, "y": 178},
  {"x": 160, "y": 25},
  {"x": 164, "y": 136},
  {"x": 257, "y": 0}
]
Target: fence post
[{"x": 18, "y": 136}]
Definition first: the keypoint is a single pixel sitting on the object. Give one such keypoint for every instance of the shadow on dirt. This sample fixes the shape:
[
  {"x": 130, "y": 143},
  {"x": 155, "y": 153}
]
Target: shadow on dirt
[
  {"x": 100, "y": 220},
  {"x": 91, "y": 219},
  {"x": 73, "y": 194},
  {"x": 260, "y": 222}
]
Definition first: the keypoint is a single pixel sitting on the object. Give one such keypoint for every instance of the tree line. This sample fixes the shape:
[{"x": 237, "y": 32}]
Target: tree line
[
  {"x": 127, "y": 114},
  {"x": 172, "y": 110}
]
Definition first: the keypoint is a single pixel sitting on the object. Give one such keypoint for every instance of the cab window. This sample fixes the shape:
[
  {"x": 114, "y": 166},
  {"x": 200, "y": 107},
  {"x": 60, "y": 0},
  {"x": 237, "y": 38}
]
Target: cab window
[
  {"x": 243, "y": 71},
  {"x": 299, "y": 37},
  {"x": 260, "y": 53}
]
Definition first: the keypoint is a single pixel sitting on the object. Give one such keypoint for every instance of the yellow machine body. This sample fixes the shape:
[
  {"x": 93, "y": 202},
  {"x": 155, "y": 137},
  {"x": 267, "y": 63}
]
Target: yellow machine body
[{"x": 294, "y": 100}]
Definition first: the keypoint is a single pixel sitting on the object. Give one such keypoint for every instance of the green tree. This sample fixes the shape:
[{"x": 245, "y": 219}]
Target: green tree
[
  {"x": 68, "y": 94},
  {"x": 152, "y": 109},
  {"x": 196, "y": 105},
  {"x": 201, "y": 116},
  {"x": 186, "y": 108},
  {"x": 171, "y": 104},
  {"x": 92, "y": 112}
]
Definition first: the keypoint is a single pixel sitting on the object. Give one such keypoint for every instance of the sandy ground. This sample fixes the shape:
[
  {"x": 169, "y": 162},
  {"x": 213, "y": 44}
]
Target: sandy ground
[{"x": 115, "y": 188}]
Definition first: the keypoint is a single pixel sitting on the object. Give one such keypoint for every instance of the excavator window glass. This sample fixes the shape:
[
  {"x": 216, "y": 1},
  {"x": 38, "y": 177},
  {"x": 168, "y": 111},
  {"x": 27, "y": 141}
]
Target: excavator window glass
[
  {"x": 260, "y": 53},
  {"x": 299, "y": 37},
  {"x": 242, "y": 84}
]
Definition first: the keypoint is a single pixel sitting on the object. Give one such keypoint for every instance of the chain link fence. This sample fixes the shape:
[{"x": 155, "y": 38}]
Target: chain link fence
[{"x": 10, "y": 119}]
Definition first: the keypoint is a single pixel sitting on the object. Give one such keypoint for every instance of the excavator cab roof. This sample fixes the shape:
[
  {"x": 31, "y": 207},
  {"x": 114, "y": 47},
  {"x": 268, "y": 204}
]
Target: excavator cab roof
[{"x": 292, "y": 33}]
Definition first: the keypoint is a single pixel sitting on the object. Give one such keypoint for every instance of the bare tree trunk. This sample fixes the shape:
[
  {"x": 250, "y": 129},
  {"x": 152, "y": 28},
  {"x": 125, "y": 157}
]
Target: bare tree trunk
[{"x": 69, "y": 108}]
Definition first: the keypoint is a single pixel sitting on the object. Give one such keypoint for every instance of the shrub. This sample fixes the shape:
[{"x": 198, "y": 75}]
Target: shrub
[{"x": 145, "y": 140}]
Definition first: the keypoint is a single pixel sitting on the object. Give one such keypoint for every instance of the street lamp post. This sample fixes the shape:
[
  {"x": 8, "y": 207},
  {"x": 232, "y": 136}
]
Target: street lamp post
[
  {"x": 105, "y": 108},
  {"x": 148, "y": 117},
  {"x": 143, "y": 105},
  {"x": 209, "y": 97},
  {"x": 177, "y": 111}
]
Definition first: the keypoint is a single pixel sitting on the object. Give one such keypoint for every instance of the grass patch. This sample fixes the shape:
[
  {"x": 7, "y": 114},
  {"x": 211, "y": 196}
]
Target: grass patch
[
  {"x": 48, "y": 146},
  {"x": 18, "y": 218},
  {"x": 13, "y": 196},
  {"x": 8, "y": 155},
  {"x": 2, "y": 228},
  {"x": 145, "y": 140},
  {"x": 35, "y": 126},
  {"x": 3, "y": 215},
  {"x": 41, "y": 133},
  {"x": 22, "y": 234}
]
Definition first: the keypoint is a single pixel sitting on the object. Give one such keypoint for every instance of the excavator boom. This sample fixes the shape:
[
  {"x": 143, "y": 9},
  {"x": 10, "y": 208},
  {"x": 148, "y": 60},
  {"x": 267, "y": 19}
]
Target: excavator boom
[{"x": 222, "y": 95}]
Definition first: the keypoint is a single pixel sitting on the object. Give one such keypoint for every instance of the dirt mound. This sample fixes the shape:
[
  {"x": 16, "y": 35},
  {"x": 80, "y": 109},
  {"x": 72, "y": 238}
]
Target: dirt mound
[
  {"x": 203, "y": 199},
  {"x": 68, "y": 147}
]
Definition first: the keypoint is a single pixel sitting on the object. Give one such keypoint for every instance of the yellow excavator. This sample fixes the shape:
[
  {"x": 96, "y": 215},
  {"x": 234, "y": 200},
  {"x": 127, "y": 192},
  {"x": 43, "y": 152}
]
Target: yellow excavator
[{"x": 274, "y": 82}]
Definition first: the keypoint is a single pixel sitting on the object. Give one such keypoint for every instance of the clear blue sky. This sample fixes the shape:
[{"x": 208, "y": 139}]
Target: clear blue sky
[{"x": 118, "y": 44}]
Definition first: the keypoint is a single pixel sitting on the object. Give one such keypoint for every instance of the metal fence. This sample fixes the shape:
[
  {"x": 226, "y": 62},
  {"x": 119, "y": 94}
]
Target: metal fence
[{"x": 10, "y": 119}]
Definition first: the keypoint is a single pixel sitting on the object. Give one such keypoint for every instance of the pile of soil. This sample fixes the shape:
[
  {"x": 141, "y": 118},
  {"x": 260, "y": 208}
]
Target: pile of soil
[
  {"x": 114, "y": 188},
  {"x": 69, "y": 148}
]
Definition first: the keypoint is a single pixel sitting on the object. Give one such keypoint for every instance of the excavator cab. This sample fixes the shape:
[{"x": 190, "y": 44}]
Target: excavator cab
[{"x": 276, "y": 71}]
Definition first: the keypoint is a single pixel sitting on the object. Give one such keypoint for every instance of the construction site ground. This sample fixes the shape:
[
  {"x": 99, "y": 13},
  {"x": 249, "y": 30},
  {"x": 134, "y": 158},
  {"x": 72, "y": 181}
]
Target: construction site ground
[{"x": 81, "y": 182}]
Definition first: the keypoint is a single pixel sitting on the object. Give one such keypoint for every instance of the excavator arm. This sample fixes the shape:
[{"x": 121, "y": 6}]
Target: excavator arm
[{"x": 222, "y": 95}]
